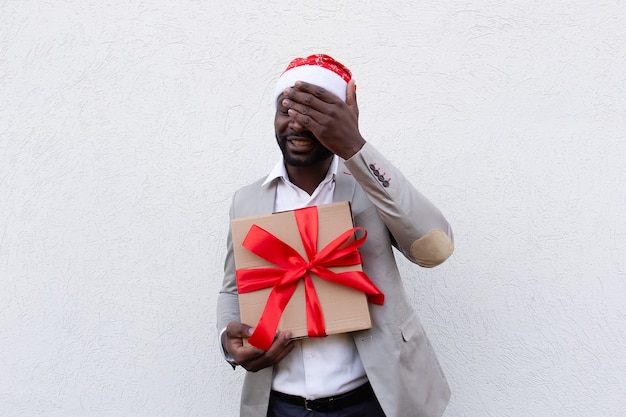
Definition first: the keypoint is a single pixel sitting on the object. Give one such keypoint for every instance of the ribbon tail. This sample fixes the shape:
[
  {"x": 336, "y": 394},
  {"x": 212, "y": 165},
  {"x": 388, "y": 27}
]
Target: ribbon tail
[
  {"x": 357, "y": 280},
  {"x": 265, "y": 330},
  {"x": 314, "y": 316}
]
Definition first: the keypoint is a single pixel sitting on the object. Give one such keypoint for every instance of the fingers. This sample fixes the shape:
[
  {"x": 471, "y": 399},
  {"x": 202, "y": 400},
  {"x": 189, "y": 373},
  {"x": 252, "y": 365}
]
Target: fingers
[
  {"x": 311, "y": 106},
  {"x": 238, "y": 330},
  {"x": 280, "y": 348},
  {"x": 309, "y": 92},
  {"x": 351, "y": 97},
  {"x": 250, "y": 357},
  {"x": 305, "y": 116},
  {"x": 312, "y": 103},
  {"x": 302, "y": 109},
  {"x": 333, "y": 121},
  {"x": 309, "y": 96},
  {"x": 232, "y": 340}
]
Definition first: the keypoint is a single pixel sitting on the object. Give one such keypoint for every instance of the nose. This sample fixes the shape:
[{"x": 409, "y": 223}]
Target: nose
[{"x": 296, "y": 126}]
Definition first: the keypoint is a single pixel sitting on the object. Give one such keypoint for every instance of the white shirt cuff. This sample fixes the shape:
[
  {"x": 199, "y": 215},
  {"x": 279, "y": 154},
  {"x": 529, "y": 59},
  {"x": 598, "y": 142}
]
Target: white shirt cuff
[{"x": 227, "y": 356}]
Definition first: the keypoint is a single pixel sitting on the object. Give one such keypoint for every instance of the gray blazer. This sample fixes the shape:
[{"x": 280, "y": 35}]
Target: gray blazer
[{"x": 396, "y": 353}]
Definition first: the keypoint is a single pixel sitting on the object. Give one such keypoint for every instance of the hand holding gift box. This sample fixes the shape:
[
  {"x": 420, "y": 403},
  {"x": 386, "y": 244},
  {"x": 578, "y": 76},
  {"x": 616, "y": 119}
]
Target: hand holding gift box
[{"x": 300, "y": 270}]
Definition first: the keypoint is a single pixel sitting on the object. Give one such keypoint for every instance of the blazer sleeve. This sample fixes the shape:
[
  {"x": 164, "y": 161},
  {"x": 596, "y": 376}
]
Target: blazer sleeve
[
  {"x": 228, "y": 300},
  {"x": 419, "y": 229},
  {"x": 246, "y": 201}
]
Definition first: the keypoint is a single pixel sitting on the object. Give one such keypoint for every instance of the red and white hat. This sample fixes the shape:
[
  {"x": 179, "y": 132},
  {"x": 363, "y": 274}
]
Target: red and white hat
[{"x": 319, "y": 69}]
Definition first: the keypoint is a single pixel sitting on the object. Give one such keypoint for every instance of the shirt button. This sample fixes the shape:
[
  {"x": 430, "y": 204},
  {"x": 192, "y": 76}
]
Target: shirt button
[
  {"x": 385, "y": 183},
  {"x": 372, "y": 167}
]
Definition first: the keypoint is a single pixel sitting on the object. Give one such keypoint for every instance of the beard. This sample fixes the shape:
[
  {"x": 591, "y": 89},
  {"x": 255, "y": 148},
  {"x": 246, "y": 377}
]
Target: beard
[{"x": 306, "y": 158}]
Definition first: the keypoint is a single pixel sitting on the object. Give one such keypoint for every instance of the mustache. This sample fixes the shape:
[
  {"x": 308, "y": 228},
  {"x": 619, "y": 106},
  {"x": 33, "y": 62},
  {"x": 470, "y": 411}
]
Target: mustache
[{"x": 302, "y": 135}]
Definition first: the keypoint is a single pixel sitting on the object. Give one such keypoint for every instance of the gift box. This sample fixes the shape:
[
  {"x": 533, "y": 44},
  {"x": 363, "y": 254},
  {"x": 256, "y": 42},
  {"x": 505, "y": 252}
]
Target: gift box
[{"x": 301, "y": 271}]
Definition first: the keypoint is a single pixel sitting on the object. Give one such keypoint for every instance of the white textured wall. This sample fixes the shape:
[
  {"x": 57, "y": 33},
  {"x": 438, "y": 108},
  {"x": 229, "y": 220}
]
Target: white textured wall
[{"x": 126, "y": 126}]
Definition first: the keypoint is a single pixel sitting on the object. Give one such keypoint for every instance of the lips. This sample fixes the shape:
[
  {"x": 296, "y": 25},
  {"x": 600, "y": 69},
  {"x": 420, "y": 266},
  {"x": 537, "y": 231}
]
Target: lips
[{"x": 299, "y": 141}]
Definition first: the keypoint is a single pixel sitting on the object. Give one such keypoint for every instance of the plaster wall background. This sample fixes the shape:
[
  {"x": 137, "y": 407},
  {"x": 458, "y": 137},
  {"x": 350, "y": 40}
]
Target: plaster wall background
[{"x": 125, "y": 127}]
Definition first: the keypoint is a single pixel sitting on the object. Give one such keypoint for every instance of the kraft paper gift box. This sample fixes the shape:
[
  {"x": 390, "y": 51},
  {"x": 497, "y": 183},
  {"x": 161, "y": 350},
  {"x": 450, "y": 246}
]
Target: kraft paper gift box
[{"x": 273, "y": 269}]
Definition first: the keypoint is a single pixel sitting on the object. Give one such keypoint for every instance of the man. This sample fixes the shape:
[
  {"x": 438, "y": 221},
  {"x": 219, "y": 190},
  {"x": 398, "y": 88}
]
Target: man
[{"x": 391, "y": 369}]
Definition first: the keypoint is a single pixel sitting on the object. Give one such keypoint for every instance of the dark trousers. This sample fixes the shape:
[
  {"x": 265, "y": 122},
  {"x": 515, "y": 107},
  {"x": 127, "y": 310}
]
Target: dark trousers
[{"x": 369, "y": 407}]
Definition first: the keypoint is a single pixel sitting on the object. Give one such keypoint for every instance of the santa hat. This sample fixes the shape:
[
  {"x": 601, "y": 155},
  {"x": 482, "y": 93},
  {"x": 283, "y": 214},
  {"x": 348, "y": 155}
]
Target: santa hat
[{"x": 319, "y": 69}]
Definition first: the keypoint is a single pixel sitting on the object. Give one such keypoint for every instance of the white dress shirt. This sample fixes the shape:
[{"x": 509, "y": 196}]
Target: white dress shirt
[{"x": 316, "y": 367}]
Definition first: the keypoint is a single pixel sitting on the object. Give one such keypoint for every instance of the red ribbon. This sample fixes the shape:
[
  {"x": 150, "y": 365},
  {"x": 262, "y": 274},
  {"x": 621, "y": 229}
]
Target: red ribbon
[{"x": 291, "y": 267}]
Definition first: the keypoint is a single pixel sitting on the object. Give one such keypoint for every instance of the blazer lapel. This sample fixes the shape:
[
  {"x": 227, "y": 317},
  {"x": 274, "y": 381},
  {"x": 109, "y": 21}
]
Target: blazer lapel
[
  {"x": 344, "y": 184},
  {"x": 345, "y": 187},
  {"x": 264, "y": 204}
]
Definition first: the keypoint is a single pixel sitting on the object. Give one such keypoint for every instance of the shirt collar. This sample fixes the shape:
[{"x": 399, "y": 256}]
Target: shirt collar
[{"x": 279, "y": 171}]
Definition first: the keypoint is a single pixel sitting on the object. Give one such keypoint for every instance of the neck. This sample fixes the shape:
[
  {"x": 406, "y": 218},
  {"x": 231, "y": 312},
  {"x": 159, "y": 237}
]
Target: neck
[{"x": 308, "y": 178}]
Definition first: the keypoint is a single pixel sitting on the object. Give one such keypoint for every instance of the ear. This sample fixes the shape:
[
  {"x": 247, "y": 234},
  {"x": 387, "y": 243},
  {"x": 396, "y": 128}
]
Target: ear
[{"x": 351, "y": 97}]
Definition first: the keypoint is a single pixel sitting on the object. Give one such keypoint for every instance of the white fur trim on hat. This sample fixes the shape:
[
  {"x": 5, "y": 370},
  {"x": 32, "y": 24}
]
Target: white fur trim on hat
[{"x": 313, "y": 74}]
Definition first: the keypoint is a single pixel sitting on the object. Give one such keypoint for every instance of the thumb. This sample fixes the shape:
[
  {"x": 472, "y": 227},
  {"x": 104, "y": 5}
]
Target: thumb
[
  {"x": 238, "y": 330},
  {"x": 351, "y": 97}
]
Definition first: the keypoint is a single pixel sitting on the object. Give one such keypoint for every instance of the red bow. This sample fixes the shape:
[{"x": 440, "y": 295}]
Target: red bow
[{"x": 292, "y": 267}]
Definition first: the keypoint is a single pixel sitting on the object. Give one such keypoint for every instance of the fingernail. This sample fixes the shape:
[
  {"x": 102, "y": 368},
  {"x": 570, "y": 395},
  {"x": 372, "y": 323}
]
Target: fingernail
[{"x": 250, "y": 330}]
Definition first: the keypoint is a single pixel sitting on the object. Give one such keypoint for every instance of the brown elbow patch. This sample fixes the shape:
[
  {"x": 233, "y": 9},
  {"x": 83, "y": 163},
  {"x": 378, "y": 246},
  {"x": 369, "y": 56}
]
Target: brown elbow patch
[{"x": 432, "y": 249}]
